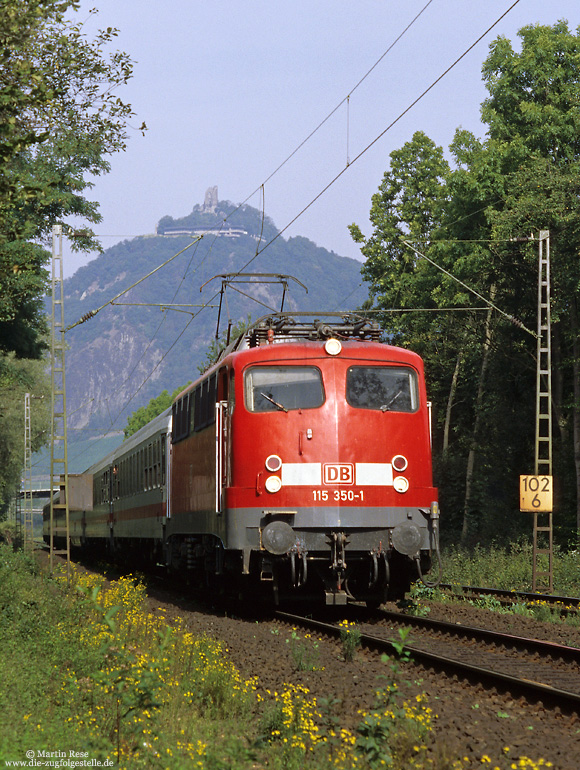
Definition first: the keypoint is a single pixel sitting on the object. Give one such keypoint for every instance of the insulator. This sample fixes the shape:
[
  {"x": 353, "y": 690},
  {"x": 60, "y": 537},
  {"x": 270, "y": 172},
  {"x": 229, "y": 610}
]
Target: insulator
[{"x": 88, "y": 316}]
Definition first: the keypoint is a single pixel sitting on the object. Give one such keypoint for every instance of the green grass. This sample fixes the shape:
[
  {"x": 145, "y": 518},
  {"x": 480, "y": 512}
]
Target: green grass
[
  {"x": 509, "y": 567},
  {"x": 86, "y": 668}
]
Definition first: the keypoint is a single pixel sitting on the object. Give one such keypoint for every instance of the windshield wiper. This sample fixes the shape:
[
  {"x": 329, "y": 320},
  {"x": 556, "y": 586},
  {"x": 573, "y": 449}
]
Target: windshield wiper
[
  {"x": 271, "y": 400},
  {"x": 386, "y": 407}
]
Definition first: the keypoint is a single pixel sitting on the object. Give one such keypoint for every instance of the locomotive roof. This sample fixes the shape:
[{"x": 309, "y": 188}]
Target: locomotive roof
[
  {"x": 301, "y": 335},
  {"x": 307, "y": 349}
]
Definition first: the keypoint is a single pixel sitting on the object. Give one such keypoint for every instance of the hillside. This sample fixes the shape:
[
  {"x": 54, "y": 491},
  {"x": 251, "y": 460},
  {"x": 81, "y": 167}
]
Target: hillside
[{"x": 129, "y": 353}]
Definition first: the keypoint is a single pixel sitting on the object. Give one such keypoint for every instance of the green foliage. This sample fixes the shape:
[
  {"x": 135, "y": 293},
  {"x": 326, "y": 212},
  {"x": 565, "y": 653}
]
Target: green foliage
[
  {"x": 388, "y": 735},
  {"x": 93, "y": 671},
  {"x": 494, "y": 566},
  {"x": 412, "y": 604},
  {"x": 18, "y": 377},
  {"x": 509, "y": 567},
  {"x": 60, "y": 116},
  {"x": 134, "y": 683},
  {"x": 521, "y": 179},
  {"x": 350, "y": 638},
  {"x": 408, "y": 205},
  {"x": 145, "y": 414},
  {"x": 304, "y": 651},
  {"x": 10, "y": 534},
  {"x": 86, "y": 666}
]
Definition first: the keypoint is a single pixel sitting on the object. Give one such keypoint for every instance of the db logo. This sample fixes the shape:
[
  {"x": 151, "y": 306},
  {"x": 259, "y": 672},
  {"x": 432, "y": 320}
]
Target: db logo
[{"x": 339, "y": 473}]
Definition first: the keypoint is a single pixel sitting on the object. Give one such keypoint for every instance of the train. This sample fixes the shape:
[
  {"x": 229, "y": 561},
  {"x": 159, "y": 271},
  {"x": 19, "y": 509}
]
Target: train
[{"x": 297, "y": 467}]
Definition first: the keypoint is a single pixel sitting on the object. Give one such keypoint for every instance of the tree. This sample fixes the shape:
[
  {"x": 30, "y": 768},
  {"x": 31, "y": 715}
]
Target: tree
[
  {"x": 140, "y": 417},
  {"x": 421, "y": 201},
  {"x": 521, "y": 178},
  {"x": 532, "y": 113},
  {"x": 60, "y": 117}
]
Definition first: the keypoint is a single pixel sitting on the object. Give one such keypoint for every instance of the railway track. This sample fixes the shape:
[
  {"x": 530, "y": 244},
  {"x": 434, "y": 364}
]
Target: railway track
[
  {"x": 564, "y": 604},
  {"x": 538, "y": 671}
]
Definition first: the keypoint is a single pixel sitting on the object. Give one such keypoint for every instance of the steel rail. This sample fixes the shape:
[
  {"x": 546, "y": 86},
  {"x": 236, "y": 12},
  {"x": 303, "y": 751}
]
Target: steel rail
[
  {"x": 533, "y": 691},
  {"x": 484, "y": 634},
  {"x": 510, "y": 594}
]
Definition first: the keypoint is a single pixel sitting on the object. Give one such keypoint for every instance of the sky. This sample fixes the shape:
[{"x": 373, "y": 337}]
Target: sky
[{"x": 229, "y": 90}]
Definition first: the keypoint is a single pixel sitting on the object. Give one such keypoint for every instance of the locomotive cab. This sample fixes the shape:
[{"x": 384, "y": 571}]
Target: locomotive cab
[{"x": 306, "y": 468}]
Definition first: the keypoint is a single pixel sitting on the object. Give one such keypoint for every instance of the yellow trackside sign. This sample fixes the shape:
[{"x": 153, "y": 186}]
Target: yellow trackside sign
[{"x": 536, "y": 493}]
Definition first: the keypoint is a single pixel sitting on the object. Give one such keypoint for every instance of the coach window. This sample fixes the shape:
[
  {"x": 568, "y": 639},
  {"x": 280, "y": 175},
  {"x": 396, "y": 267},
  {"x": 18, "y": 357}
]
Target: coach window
[
  {"x": 175, "y": 410},
  {"x": 105, "y": 487},
  {"x": 211, "y": 399},
  {"x": 156, "y": 462},
  {"x": 204, "y": 403},
  {"x": 281, "y": 388},
  {"x": 222, "y": 385},
  {"x": 185, "y": 415},
  {"x": 382, "y": 388},
  {"x": 197, "y": 407}
]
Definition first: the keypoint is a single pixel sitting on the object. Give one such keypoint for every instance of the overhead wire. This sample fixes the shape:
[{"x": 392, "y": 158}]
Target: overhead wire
[
  {"x": 93, "y": 313},
  {"x": 489, "y": 303},
  {"x": 331, "y": 113},
  {"x": 95, "y": 402},
  {"x": 259, "y": 250},
  {"x": 163, "y": 357},
  {"x": 348, "y": 164},
  {"x": 284, "y": 162},
  {"x": 345, "y": 99},
  {"x": 382, "y": 133},
  {"x": 114, "y": 419}
]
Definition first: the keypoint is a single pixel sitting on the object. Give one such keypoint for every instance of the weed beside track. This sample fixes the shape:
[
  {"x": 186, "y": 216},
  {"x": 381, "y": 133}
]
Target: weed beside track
[{"x": 92, "y": 668}]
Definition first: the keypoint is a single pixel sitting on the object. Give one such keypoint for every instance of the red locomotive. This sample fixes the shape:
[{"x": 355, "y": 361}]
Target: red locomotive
[{"x": 299, "y": 465}]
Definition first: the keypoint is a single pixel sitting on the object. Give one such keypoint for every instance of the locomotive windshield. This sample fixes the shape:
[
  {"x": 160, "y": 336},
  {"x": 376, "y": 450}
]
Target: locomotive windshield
[
  {"x": 280, "y": 388},
  {"x": 385, "y": 388}
]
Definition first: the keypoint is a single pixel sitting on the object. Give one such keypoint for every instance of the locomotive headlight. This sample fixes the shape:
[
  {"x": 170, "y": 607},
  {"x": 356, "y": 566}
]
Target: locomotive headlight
[
  {"x": 273, "y": 484},
  {"x": 273, "y": 463},
  {"x": 332, "y": 346},
  {"x": 399, "y": 463},
  {"x": 401, "y": 484}
]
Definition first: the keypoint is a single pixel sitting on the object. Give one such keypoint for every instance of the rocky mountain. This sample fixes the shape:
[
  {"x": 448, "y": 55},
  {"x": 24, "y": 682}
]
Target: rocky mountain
[{"x": 133, "y": 349}]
